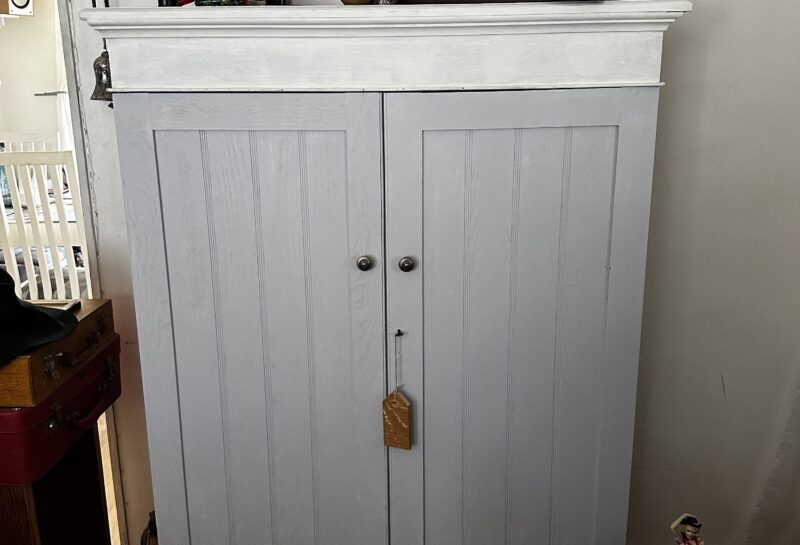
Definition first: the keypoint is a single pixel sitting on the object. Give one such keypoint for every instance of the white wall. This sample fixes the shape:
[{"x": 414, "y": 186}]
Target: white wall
[
  {"x": 114, "y": 271},
  {"x": 722, "y": 302},
  {"x": 720, "y": 366},
  {"x": 28, "y": 66}
]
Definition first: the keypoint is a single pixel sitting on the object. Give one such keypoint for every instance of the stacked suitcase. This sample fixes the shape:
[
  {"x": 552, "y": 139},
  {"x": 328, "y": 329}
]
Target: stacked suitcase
[{"x": 50, "y": 401}]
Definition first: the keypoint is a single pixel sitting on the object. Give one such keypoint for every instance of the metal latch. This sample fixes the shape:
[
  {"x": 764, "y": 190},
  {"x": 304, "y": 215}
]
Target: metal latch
[{"x": 50, "y": 365}]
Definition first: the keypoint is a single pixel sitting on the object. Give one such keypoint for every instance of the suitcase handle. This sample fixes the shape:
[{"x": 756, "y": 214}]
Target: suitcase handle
[
  {"x": 88, "y": 420},
  {"x": 93, "y": 343},
  {"x": 93, "y": 340}
]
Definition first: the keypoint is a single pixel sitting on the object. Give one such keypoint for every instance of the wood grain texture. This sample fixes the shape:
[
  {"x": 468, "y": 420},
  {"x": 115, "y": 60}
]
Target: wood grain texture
[
  {"x": 16, "y": 389},
  {"x": 516, "y": 194},
  {"x": 397, "y": 421},
  {"x": 18, "y": 516}
]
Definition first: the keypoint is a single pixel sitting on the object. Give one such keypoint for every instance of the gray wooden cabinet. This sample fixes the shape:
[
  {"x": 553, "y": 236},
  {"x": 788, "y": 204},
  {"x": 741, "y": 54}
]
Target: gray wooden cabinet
[{"x": 268, "y": 351}]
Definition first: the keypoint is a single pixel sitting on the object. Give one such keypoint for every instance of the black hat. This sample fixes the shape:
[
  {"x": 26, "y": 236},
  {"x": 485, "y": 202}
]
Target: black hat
[{"x": 23, "y": 326}]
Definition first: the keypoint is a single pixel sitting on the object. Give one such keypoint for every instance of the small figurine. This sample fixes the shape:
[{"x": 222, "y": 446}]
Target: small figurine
[{"x": 686, "y": 530}]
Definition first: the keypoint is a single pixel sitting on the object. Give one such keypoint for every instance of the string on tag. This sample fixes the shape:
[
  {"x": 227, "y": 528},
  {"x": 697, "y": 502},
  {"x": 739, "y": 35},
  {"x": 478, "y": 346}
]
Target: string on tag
[
  {"x": 396, "y": 406},
  {"x": 398, "y": 359}
]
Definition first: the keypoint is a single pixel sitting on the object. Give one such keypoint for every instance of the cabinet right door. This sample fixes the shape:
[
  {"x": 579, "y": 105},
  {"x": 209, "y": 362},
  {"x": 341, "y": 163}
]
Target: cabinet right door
[{"x": 527, "y": 214}]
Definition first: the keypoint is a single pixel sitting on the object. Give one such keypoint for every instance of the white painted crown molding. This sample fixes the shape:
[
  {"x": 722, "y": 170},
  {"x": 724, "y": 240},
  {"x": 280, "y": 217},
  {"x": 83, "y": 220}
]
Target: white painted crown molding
[{"x": 407, "y": 47}]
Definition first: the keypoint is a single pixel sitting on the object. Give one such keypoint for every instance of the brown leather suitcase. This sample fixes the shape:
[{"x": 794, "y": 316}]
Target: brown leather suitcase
[{"x": 27, "y": 380}]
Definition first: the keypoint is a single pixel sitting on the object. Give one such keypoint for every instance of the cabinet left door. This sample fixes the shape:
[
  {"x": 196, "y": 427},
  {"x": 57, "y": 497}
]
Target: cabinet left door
[{"x": 261, "y": 341}]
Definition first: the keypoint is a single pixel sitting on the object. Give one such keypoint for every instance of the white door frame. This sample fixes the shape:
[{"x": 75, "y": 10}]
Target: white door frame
[{"x": 107, "y": 432}]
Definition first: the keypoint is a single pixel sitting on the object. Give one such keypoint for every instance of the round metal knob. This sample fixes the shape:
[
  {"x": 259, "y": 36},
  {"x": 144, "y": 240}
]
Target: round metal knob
[
  {"x": 364, "y": 263},
  {"x": 407, "y": 264}
]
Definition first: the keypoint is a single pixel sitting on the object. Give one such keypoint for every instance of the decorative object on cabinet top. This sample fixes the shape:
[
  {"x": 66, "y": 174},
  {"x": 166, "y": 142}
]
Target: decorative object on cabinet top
[{"x": 534, "y": 45}]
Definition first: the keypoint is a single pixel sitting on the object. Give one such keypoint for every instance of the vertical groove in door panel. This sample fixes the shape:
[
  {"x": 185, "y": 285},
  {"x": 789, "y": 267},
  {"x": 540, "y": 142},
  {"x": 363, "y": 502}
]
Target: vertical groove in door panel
[
  {"x": 278, "y": 159},
  {"x": 309, "y": 307},
  {"x": 187, "y": 243},
  {"x": 264, "y": 324},
  {"x": 560, "y": 279},
  {"x": 235, "y": 263},
  {"x": 537, "y": 217},
  {"x": 512, "y": 297},
  {"x": 581, "y": 316},
  {"x": 334, "y": 368},
  {"x": 466, "y": 267},
  {"x": 443, "y": 257},
  {"x": 599, "y": 386},
  {"x": 468, "y": 204},
  {"x": 490, "y": 190},
  {"x": 218, "y": 332}
]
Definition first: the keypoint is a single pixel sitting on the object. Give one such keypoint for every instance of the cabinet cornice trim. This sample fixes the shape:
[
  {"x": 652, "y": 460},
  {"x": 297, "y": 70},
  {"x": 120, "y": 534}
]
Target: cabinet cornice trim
[
  {"x": 384, "y": 48},
  {"x": 632, "y": 15}
]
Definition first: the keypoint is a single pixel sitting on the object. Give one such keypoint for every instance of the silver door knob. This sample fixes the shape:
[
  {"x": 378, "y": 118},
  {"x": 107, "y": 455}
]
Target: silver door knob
[
  {"x": 407, "y": 264},
  {"x": 364, "y": 263}
]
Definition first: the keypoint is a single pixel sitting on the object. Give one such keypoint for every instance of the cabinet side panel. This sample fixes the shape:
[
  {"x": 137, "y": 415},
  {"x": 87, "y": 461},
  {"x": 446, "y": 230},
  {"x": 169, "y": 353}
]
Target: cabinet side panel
[{"x": 153, "y": 313}]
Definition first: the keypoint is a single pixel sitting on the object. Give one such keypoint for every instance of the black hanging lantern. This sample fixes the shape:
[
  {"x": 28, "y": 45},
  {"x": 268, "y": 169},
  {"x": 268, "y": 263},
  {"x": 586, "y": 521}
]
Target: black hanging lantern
[{"x": 102, "y": 77}]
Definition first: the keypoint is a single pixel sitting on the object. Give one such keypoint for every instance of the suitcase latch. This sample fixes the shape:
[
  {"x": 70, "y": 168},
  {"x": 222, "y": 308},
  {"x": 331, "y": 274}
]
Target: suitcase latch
[
  {"x": 52, "y": 424},
  {"x": 50, "y": 365},
  {"x": 113, "y": 367}
]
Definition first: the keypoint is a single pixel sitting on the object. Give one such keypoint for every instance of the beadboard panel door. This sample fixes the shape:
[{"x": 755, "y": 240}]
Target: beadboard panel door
[
  {"x": 262, "y": 343},
  {"x": 528, "y": 215}
]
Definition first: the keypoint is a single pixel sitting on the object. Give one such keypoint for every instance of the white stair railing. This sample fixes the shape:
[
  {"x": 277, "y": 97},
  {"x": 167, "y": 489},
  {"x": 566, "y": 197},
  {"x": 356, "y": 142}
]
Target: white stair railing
[
  {"x": 14, "y": 141},
  {"x": 42, "y": 235}
]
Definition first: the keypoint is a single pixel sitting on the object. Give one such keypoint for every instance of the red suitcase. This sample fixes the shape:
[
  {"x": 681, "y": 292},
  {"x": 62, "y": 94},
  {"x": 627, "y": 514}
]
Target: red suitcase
[{"x": 33, "y": 439}]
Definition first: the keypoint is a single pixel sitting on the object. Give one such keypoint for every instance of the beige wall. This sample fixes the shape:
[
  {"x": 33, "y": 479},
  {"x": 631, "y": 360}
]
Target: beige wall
[
  {"x": 720, "y": 366},
  {"x": 722, "y": 303},
  {"x": 27, "y": 66}
]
